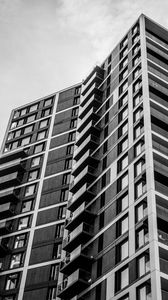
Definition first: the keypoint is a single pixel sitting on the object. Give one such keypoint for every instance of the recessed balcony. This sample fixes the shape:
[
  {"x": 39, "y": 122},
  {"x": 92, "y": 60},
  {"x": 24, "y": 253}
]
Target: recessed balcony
[
  {"x": 93, "y": 90},
  {"x": 85, "y": 160},
  {"x": 8, "y": 195},
  {"x": 74, "y": 284},
  {"x": 4, "y": 248},
  {"x": 91, "y": 115},
  {"x": 92, "y": 102},
  {"x": 89, "y": 129},
  {"x": 87, "y": 175},
  {"x": 91, "y": 143},
  {"x": 80, "y": 235},
  {"x": 81, "y": 214},
  {"x": 10, "y": 180},
  {"x": 5, "y": 227},
  {"x": 80, "y": 196},
  {"x": 7, "y": 210},
  {"x": 74, "y": 260},
  {"x": 13, "y": 156},
  {"x": 11, "y": 166}
]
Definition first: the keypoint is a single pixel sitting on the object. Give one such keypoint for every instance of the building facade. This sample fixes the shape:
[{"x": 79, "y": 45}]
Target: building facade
[{"x": 83, "y": 182}]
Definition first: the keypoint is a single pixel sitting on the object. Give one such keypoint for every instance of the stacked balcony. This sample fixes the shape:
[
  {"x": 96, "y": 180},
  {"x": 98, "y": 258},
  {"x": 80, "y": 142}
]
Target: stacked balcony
[{"x": 77, "y": 263}]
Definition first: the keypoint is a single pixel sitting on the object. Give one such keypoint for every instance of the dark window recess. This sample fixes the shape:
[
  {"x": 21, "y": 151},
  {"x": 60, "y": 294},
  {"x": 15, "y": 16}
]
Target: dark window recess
[
  {"x": 106, "y": 118},
  {"x": 71, "y": 136},
  {"x": 100, "y": 243},
  {"x": 64, "y": 195},
  {"x": 107, "y": 104},
  {"x": 98, "y": 292},
  {"x": 99, "y": 267},
  {"x": 109, "y": 59},
  {"x": 102, "y": 200},
  {"x": 105, "y": 131},
  {"x": 73, "y": 123},
  {"x": 70, "y": 149},
  {"x": 108, "y": 80},
  {"x": 105, "y": 147},
  {"x": 103, "y": 181},
  {"x": 104, "y": 165},
  {"x": 108, "y": 92},
  {"x": 101, "y": 220}
]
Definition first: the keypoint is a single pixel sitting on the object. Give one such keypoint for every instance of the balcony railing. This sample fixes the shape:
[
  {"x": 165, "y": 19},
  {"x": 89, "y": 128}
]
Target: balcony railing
[
  {"x": 13, "y": 156},
  {"x": 5, "y": 227},
  {"x": 91, "y": 115},
  {"x": 85, "y": 160},
  {"x": 7, "y": 210},
  {"x": 4, "y": 248},
  {"x": 8, "y": 195},
  {"x": 9, "y": 180},
  {"x": 86, "y": 175},
  {"x": 96, "y": 77},
  {"x": 10, "y": 167},
  {"x": 89, "y": 129},
  {"x": 80, "y": 196},
  {"x": 91, "y": 143},
  {"x": 93, "y": 90},
  {"x": 92, "y": 102},
  {"x": 74, "y": 284}
]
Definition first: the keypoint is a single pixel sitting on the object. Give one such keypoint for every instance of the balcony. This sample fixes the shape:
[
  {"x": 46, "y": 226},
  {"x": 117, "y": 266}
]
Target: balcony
[
  {"x": 95, "y": 76},
  {"x": 85, "y": 160},
  {"x": 80, "y": 235},
  {"x": 91, "y": 143},
  {"x": 87, "y": 175},
  {"x": 93, "y": 102},
  {"x": 74, "y": 260},
  {"x": 163, "y": 237},
  {"x": 91, "y": 115},
  {"x": 9, "y": 180},
  {"x": 93, "y": 90},
  {"x": 89, "y": 129},
  {"x": 8, "y": 195},
  {"x": 13, "y": 156},
  {"x": 81, "y": 214},
  {"x": 7, "y": 210},
  {"x": 74, "y": 284},
  {"x": 82, "y": 195},
  {"x": 10, "y": 167},
  {"x": 4, "y": 249},
  {"x": 5, "y": 227}
]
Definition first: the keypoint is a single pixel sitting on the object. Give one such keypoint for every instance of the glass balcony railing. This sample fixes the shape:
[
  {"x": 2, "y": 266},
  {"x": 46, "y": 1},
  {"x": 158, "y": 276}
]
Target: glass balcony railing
[
  {"x": 8, "y": 195},
  {"x": 7, "y": 210},
  {"x": 86, "y": 175},
  {"x": 91, "y": 142},
  {"x": 91, "y": 115},
  {"x": 92, "y": 102},
  {"x": 80, "y": 196},
  {"x": 96, "y": 77}
]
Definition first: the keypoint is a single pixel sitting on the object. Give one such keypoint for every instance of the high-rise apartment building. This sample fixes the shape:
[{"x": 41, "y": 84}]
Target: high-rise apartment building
[{"x": 84, "y": 182}]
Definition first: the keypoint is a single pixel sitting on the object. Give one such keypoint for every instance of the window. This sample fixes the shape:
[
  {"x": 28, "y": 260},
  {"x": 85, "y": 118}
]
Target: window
[
  {"x": 13, "y": 125},
  {"x": 35, "y": 161},
  {"x": 43, "y": 124},
  {"x": 123, "y": 182},
  {"x": 123, "y": 87},
  {"x": 62, "y": 212},
  {"x": 48, "y": 102},
  {"x": 137, "y": 86},
  {"x": 141, "y": 211},
  {"x": 17, "y": 133},
  {"x": 16, "y": 260},
  {"x": 138, "y": 130},
  {"x": 27, "y": 206},
  {"x": 124, "y": 63},
  {"x": 122, "y": 251},
  {"x": 72, "y": 136},
  {"x": 136, "y": 73},
  {"x": 14, "y": 145},
  {"x": 124, "y": 52},
  {"x": 23, "y": 223},
  {"x": 123, "y": 145},
  {"x": 123, "y": 163},
  {"x": 135, "y": 49},
  {"x": 135, "y": 39},
  {"x": 122, "y": 278},
  {"x": 41, "y": 135},
  {"x": 123, "y": 129},
  {"x": 139, "y": 167},
  {"x": 28, "y": 129},
  {"x": 124, "y": 74},
  {"x": 126, "y": 297},
  {"x": 52, "y": 293},
  {"x": 122, "y": 226},
  {"x": 136, "y": 60},
  {"x": 135, "y": 29},
  {"x": 123, "y": 100},
  {"x": 30, "y": 190},
  {"x": 26, "y": 141},
  {"x": 57, "y": 251},
  {"x": 20, "y": 122},
  {"x": 124, "y": 42},
  {"x": 142, "y": 237},
  {"x": 10, "y": 136},
  {"x": 46, "y": 112},
  {"x": 68, "y": 163},
  {"x": 39, "y": 148},
  {"x": 31, "y": 118},
  {"x": 33, "y": 108},
  {"x": 140, "y": 188},
  {"x": 75, "y": 112},
  {"x": 138, "y": 114},
  {"x": 59, "y": 231},
  {"x": 11, "y": 297},
  {"x": 12, "y": 281},
  {"x": 144, "y": 292},
  {"x": 66, "y": 178},
  {"x": 70, "y": 149},
  {"x": 143, "y": 265},
  {"x": 33, "y": 175},
  {"x": 16, "y": 114},
  {"x": 123, "y": 114},
  {"x": 54, "y": 272},
  {"x": 122, "y": 203},
  {"x": 64, "y": 195},
  {"x": 139, "y": 147},
  {"x": 20, "y": 241},
  {"x": 23, "y": 111},
  {"x": 137, "y": 99},
  {"x": 73, "y": 123},
  {"x": 76, "y": 100},
  {"x": 77, "y": 90}
]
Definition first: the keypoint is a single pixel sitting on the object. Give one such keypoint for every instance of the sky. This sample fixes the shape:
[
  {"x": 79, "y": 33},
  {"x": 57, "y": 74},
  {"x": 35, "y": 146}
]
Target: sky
[{"x": 48, "y": 45}]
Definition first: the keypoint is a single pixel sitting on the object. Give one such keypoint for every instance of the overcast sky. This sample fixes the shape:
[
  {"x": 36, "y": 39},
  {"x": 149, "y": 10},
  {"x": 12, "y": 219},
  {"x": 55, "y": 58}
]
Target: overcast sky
[{"x": 47, "y": 45}]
